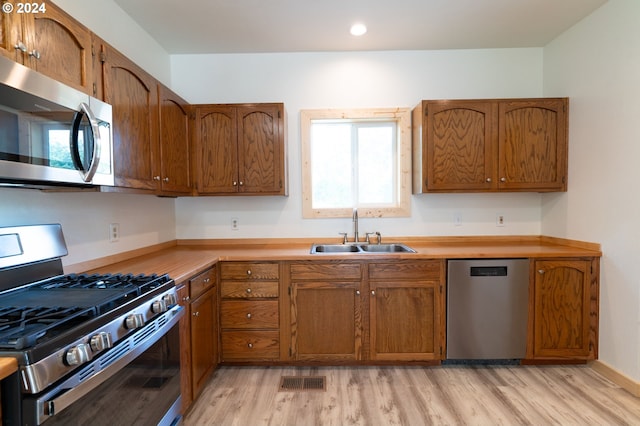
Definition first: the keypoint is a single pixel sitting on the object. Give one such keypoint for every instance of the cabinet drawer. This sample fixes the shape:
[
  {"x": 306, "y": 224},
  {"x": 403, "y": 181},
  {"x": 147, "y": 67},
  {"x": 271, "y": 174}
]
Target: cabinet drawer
[
  {"x": 315, "y": 271},
  {"x": 201, "y": 283},
  {"x": 421, "y": 270},
  {"x": 249, "y": 314},
  {"x": 249, "y": 271},
  {"x": 248, "y": 289},
  {"x": 250, "y": 345}
]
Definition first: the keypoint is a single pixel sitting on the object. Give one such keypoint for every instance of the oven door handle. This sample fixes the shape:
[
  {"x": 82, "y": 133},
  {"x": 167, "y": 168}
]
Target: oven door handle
[{"x": 54, "y": 402}]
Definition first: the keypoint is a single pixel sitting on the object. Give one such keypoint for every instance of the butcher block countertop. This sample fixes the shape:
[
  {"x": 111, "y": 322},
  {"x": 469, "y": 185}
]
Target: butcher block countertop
[
  {"x": 182, "y": 259},
  {"x": 7, "y": 367}
]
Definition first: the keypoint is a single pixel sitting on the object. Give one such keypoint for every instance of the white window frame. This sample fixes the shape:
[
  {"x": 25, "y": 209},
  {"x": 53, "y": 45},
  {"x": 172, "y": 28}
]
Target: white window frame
[{"x": 402, "y": 117}]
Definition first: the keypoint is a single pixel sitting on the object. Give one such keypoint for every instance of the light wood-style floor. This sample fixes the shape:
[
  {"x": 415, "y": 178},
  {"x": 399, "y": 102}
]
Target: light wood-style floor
[{"x": 445, "y": 395}]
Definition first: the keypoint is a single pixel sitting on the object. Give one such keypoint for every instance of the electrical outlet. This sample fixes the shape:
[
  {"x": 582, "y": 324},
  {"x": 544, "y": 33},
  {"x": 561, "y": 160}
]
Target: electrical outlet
[
  {"x": 499, "y": 219},
  {"x": 114, "y": 232},
  {"x": 457, "y": 219},
  {"x": 235, "y": 225}
]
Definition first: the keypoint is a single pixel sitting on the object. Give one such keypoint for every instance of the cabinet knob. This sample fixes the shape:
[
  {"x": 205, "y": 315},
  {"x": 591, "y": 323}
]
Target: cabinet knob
[
  {"x": 206, "y": 280},
  {"x": 488, "y": 179},
  {"x": 235, "y": 183},
  {"x": 503, "y": 179},
  {"x": 20, "y": 46},
  {"x": 248, "y": 271},
  {"x": 156, "y": 178},
  {"x": 249, "y": 290},
  {"x": 250, "y": 345},
  {"x": 35, "y": 54},
  {"x": 541, "y": 271},
  {"x": 166, "y": 179},
  {"x": 249, "y": 316},
  {"x": 196, "y": 314},
  {"x": 241, "y": 183},
  {"x": 357, "y": 292},
  {"x": 186, "y": 299},
  {"x": 373, "y": 292}
]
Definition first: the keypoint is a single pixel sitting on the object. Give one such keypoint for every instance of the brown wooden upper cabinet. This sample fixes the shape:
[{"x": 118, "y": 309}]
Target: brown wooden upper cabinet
[
  {"x": 133, "y": 94},
  {"x": 240, "y": 149},
  {"x": 490, "y": 145},
  {"x": 50, "y": 42},
  {"x": 175, "y": 170}
]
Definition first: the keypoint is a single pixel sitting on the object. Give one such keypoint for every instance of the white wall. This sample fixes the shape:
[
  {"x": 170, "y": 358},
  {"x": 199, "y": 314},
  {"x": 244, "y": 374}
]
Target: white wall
[
  {"x": 597, "y": 64},
  {"x": 85, "y": 217},
  {"x": 350, "y": 80}
]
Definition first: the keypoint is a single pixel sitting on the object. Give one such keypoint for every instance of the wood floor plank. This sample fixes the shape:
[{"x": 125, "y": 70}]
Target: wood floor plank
[{"x": 446, "y": 395}]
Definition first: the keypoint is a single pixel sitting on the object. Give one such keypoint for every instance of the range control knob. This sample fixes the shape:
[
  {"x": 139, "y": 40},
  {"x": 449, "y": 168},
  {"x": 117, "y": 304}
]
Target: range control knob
[
  {"x": 101, "y": 341},
  {"x": 170, "y": 299},
  {"x": 159, "y": 306},
  {"x": 77, "y": 355},
  {"x": 133, "y": 321}
]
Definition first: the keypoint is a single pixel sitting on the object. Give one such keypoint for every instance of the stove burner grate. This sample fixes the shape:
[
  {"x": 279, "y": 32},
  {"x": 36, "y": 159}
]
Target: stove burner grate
[{"x": 22, "y": 327}]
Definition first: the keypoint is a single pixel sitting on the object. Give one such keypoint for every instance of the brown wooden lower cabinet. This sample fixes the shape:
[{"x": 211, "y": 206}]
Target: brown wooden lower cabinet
[
  {"x": 564, "y": 309},
  {"x": 406, "y": 319},
  {"x": 326, "y": 321},
  {"x": 367, "y": 311},
  {"x": 198, "y": 333},
  {"x": 250, "y": 311}
]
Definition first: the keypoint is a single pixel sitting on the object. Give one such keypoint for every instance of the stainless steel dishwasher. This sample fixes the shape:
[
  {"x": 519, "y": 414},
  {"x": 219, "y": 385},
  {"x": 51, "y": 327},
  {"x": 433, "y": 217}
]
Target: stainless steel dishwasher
[{"x": 487, "y": 302}]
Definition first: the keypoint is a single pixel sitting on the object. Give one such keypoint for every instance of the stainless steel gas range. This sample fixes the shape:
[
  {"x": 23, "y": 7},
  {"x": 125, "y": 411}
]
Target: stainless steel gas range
[{"x": 91, "y": 349}]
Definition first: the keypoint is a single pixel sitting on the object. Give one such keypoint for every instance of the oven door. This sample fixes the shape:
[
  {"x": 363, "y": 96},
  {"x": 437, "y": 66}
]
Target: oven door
[{"x": 137, "y": 382}]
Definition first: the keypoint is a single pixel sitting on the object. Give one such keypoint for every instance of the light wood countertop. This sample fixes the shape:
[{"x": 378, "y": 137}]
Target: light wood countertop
[
  {"x": 183, "y": 259},
  {"x": 7, "y": 367}
]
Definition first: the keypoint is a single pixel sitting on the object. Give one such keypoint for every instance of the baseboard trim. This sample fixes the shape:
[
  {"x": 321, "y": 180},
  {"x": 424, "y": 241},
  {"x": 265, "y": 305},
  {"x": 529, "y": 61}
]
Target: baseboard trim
[{"x": 617, "y": 377}]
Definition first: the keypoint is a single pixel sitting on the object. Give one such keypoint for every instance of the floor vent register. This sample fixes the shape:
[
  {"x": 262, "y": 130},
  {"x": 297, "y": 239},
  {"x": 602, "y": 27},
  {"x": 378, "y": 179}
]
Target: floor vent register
[{"x": 302, "y": 383}]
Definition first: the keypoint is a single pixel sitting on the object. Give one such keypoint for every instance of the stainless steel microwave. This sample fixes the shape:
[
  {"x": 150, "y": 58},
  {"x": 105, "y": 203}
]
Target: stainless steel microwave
[{"x": 51, "y": 133}]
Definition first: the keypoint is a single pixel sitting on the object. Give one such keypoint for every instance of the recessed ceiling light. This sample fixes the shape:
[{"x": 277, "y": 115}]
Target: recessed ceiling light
[{"x": 358, "y": 29}]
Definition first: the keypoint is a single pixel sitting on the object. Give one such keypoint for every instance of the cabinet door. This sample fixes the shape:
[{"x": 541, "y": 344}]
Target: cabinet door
[
  {"x": 404, "y": 320},
  {"x": 216, "y": 150},
  {"x": 185, "y": 348},
  {"x": 260, "y": 144},
  {"x": 175, "y": 173},
  {"x": 59, "y": 47},
  {"x": 134, "y": 97},
  {"x": 204, "y": 338},
  {"x": 561, "y": 309},
  {"x": 533, "y": 145},
  {"x": 326, "y": 321},
  {"x": 459, "y": 145},
  {"x": 11, "y": 36}
]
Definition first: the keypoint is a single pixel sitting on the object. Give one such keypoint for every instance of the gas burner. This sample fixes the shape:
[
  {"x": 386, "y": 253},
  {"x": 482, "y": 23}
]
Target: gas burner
[{"x": 22, "y": 327}]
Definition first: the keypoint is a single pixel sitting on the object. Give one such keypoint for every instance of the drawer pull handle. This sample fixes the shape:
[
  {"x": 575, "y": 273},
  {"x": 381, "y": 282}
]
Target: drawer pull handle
[
  {"x": 249, "y": 290},
  {"x": 250, "y": 345},
  {"x": 206, "y": 280},
  {"x": 249, "y": 316}
]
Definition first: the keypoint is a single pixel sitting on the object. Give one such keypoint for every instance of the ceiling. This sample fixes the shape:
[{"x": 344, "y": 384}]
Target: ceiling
[{"x": 253, "y": 26}]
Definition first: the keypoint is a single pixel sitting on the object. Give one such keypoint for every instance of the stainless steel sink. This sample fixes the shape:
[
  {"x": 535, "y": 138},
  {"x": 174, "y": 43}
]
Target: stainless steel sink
[
  {"x": 334, "y": 248},
  {"x": 361, "y": 248},
  {"x": 387, "y": 248}
]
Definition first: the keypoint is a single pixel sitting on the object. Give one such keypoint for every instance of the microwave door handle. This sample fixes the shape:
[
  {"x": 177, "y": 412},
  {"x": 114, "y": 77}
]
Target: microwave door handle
[{"x": 87, "y": 175}]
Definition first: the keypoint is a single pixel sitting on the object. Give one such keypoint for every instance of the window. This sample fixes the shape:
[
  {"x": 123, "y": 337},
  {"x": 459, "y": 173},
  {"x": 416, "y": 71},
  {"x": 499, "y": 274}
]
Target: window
[{"x": 356, "y": 158}]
